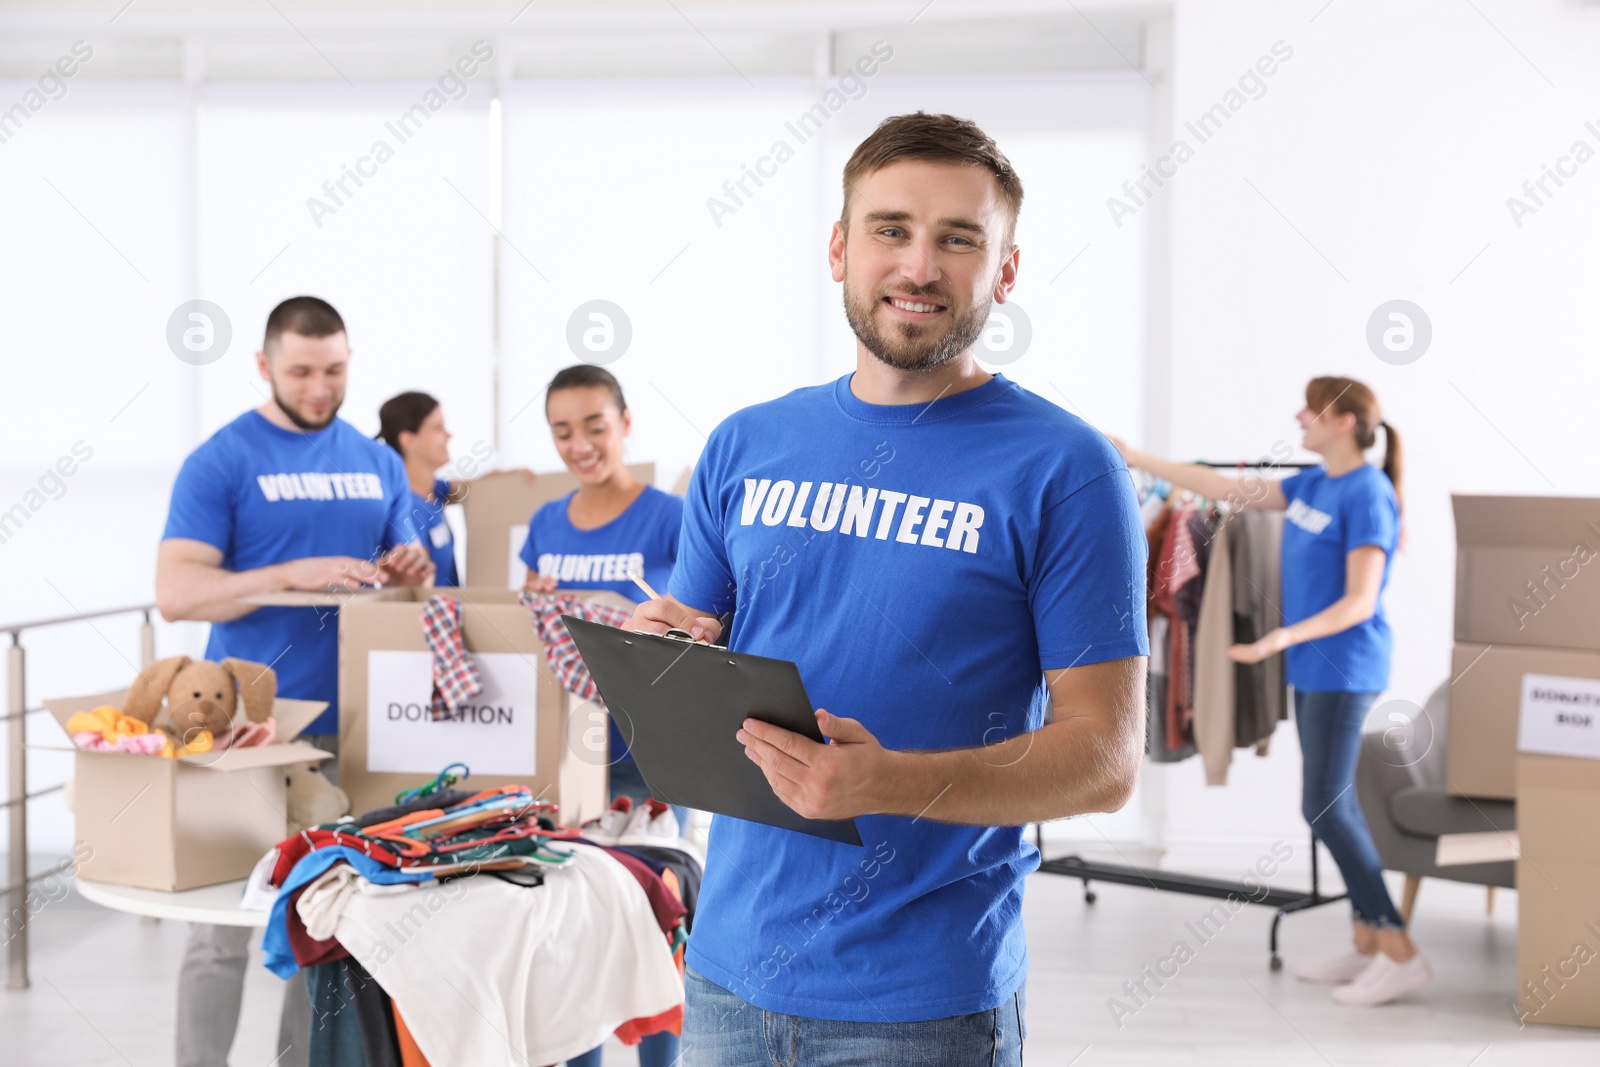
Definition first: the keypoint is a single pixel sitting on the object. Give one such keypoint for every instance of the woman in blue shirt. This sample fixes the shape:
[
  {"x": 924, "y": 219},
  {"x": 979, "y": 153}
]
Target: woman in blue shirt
[
  {"x": 591, "y": 539},
  {"x": 1341, "y": 529},
  {"x": 413, "y": 425}
]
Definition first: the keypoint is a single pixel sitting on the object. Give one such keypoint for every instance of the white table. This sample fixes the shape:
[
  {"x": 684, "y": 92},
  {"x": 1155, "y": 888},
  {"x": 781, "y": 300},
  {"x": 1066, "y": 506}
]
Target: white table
[{"x": 215, "y": 904}]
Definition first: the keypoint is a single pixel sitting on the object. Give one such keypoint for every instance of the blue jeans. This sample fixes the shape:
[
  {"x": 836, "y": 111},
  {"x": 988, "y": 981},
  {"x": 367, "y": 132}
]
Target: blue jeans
[
  {"x": 657, "y": 1050},
  {"x": 721, "y": 1030},
  {"x": 1330, "y": 726}
]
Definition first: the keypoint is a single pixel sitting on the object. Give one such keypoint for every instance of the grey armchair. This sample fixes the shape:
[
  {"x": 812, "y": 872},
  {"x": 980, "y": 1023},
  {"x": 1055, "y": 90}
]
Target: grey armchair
[{"x": 1400, "y": 782}]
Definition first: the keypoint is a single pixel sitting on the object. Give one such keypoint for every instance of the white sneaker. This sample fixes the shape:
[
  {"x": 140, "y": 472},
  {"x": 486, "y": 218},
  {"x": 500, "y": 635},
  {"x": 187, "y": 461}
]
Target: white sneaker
[
  {"x": 1336, "y": 971},
  {"x": 1385, "y": 980},
  {"x": 613, "y": 823}
]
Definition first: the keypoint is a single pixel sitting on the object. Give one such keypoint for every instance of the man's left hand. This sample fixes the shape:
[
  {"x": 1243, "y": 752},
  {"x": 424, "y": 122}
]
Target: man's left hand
[
  {"x": 853, "y": 776},
  {"x": 407, "y": 565}
]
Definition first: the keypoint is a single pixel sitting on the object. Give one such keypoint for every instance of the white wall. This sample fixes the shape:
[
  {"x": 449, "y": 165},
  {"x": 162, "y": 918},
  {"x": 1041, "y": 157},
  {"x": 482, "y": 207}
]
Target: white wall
[
  {"x": 602, "y": 195},
  {"x": 1376, "y": 166},
  {"x": 1391, "y": 141}
]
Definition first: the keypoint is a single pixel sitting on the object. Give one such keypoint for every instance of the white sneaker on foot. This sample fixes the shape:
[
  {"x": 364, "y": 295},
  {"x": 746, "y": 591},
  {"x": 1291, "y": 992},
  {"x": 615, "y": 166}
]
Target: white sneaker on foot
[
  {"x": 1385, "y": 980},
  {"x": 1337, "y": 971}
]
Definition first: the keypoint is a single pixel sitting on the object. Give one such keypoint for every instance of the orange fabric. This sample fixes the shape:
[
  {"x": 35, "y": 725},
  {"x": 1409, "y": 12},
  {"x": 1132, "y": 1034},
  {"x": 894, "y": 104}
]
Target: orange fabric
[
  {"x": 634, "y": 1030},
  {"x": 671, "y": 1020},
  {"x": 410, "y": 1054}
]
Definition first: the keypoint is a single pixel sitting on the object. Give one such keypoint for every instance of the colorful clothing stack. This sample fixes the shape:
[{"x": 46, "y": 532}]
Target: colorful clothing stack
[{"x": 565, "y": 944}]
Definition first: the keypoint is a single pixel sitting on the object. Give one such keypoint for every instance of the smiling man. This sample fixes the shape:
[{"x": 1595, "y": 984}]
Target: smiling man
[
  {"x": 947, "y": 557},
  {"x": 288, "y": 496}
]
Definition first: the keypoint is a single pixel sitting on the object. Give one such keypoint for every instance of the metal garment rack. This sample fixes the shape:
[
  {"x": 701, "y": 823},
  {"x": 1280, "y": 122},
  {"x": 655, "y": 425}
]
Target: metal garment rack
[{"x": 1286, "y": 901}]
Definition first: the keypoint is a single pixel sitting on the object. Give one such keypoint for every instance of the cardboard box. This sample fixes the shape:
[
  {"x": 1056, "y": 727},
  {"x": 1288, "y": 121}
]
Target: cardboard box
[
  {"x": 1481, "y": 742},
  {"x": 1490, "y": 846},
  {"x": 1558, "y": 890},
  {"x": 497, "y": 512},
  {"x": 1528, "y": 571},
  {"x": 174, "y": 824},
  {"x": 524, "y": 729}
]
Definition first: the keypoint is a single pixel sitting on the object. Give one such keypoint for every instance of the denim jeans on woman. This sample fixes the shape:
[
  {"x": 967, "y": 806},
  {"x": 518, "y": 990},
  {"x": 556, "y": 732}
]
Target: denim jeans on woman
[
  {"x": 722, "y": 1030},
  {"x": 1330, "y": 725}
]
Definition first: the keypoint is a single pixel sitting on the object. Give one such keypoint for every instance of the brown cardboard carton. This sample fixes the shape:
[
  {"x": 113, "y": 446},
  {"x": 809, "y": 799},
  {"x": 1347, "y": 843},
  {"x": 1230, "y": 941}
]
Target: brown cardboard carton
[
  {"x": 1481, "y": 743},
  {"x": 1558, "y": 890},
  {"x": 497, "y": 511},
  {"x": 179, "y": 824},
  {"x": 525, "y": 729},
  {"x": 1528, "y": 571}
]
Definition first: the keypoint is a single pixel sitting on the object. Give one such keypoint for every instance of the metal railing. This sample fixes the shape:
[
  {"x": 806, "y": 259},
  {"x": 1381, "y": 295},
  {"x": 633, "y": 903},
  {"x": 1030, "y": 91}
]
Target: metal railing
[{"x": 16, "y": 803}]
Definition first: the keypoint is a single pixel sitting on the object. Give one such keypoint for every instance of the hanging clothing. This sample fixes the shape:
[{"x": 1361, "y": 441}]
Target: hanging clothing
[
  {"x": 455, "y": 675},
  {"x": 1213, "y": 670},
  {"x": 1261, "y": 697},
  {"x": 352, "y": 1018},
  {"x": 560, "y": 652},
  {"x": 1179, "y": 567}
]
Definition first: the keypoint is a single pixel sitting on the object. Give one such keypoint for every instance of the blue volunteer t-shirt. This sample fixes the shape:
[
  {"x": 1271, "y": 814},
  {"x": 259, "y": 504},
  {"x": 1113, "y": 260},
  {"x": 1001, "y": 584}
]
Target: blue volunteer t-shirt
[
  {"x": 643, "y": 538},
  {"x": 261, "y": 495},
  {"x": 434, "y": 529},
  {"x": 1326, "y": 519},
  {"x": 924, "y": 564}
]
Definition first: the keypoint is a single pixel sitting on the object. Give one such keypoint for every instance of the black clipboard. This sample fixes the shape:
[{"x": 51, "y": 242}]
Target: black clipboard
[{"x": 679, "y": 703}]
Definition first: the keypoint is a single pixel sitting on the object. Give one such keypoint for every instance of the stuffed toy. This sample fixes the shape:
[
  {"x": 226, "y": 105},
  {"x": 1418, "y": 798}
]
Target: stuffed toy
[
  {"x": 201, "y": 695},
  {"x": 312, "y": 799}
]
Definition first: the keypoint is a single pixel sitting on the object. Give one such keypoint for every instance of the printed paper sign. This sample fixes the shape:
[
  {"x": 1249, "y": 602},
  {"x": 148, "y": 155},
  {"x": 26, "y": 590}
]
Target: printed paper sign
[
  {"x": 494, "y": 733},
  {"x": 518, "y": 571},
  {"x": 1560, "y": 716}
]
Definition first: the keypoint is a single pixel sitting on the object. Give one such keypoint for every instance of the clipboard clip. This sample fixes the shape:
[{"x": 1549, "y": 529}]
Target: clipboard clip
[{"x": 684, "y": 636}]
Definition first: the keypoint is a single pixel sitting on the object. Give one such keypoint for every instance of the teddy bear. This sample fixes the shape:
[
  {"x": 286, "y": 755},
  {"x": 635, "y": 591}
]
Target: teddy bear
[
  {"x": 201, "y": 695},
  {"x": 312, "y": 799}
]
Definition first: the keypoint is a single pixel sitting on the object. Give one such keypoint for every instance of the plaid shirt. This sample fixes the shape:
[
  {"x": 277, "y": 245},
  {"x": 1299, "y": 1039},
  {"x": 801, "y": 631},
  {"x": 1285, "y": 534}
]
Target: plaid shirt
[
  {"x": 455, "y": 675},
  {"x": 559, "y": 650}
]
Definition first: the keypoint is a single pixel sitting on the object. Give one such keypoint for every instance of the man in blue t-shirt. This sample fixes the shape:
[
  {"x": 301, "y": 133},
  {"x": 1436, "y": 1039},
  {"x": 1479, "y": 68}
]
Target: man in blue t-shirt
[
  {"x": 285, "y": 497},
  {"x": 949, "y": 558}
]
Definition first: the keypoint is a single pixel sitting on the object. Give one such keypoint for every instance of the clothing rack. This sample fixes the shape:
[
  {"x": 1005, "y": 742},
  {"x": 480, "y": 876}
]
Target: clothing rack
[
  {"x": 1266, "y": 464},
  {"x": 1286, "y": 901}
]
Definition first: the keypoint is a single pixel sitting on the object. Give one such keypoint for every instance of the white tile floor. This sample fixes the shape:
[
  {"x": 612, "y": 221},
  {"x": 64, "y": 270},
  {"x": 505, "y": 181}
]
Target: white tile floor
[{"x": 103, "y": 990}]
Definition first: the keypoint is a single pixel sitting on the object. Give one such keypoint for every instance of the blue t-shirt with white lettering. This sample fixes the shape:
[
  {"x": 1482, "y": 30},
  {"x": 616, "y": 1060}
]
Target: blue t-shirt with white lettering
[
  {"x": 261, "y": 495},
  {"x": 1326, "y": 519},
  {"x": 434, "y": 529},
  {"x": 643, "y": 538},
  {"x": 923, "y": 564}
]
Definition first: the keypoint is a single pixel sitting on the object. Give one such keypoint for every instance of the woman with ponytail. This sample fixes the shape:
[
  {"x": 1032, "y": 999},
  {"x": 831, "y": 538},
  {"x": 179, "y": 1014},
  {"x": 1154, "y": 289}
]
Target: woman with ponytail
[
  {"x": 412, "y": 423},
  {"x": 1339, "y": 539}
]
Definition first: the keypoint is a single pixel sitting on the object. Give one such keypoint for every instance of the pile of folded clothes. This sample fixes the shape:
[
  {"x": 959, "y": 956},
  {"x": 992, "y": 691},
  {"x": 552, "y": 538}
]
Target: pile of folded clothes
[{"x": 468, "y": 928}]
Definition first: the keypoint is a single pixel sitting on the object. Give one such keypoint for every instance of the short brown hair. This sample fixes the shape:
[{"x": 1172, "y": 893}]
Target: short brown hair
[
  {"x": 940, "y": 139},
  {"x": 308, "y": 316}
]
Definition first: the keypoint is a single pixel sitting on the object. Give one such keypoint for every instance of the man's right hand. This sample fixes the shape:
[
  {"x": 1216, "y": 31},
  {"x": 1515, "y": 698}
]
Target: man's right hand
[
  {"x": 663, "y": 614},
  {"x": 329, "y": 572}
]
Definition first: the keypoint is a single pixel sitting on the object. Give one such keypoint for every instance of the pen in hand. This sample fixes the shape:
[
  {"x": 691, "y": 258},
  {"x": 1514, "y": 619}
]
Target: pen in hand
[{"x": 638, "y": 580}]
